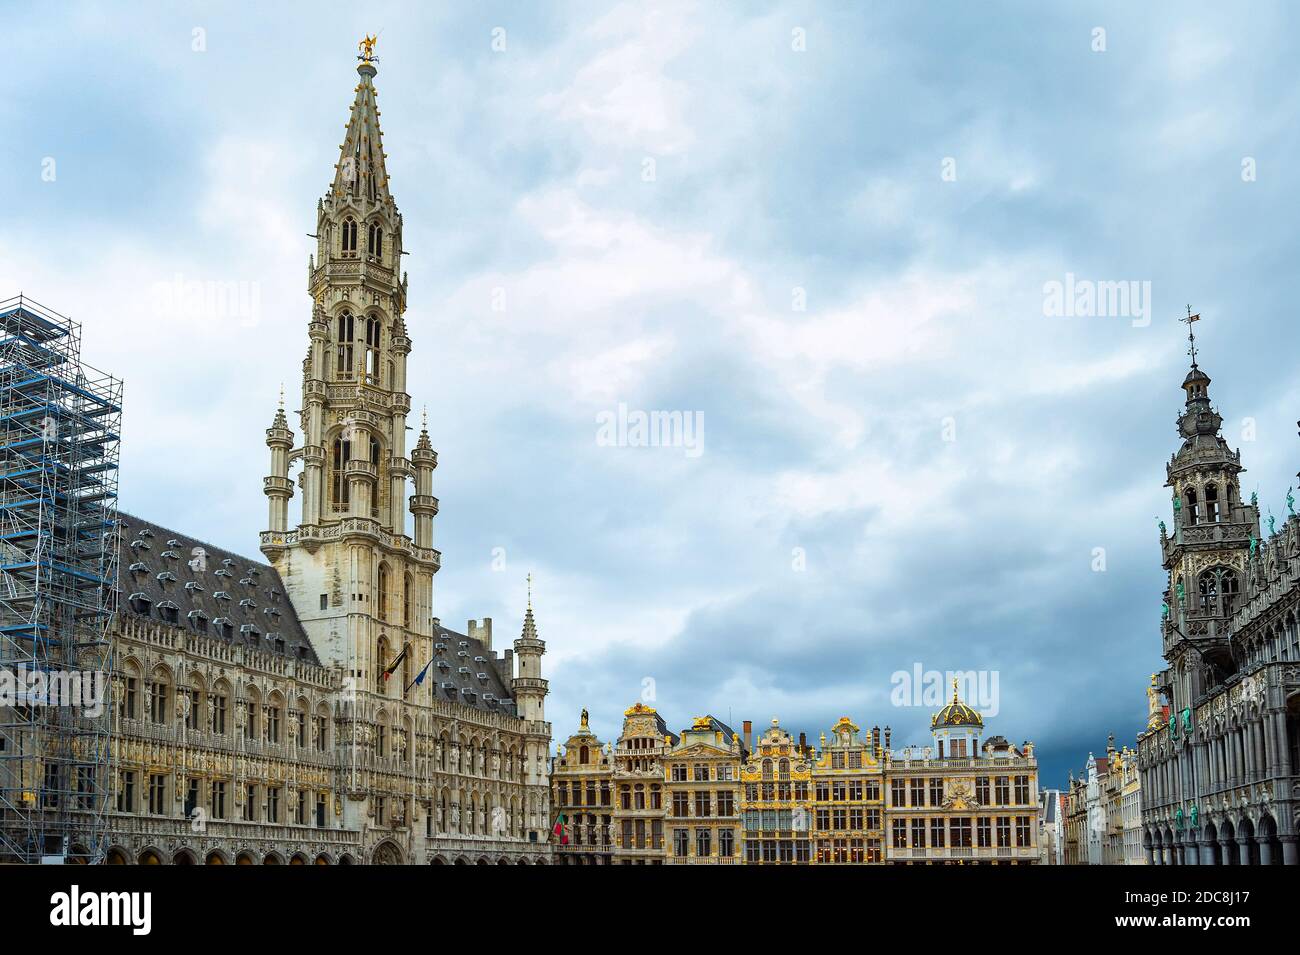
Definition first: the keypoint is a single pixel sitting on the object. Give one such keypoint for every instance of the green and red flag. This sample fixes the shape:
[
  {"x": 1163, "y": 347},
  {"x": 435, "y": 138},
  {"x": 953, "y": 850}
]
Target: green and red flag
[{"x": 559, "y": 830}]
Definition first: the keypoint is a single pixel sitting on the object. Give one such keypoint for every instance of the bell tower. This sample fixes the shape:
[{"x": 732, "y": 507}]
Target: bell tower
[
  {"x": 360, "y": 583},
  {"x": 1206, "y": 553}
]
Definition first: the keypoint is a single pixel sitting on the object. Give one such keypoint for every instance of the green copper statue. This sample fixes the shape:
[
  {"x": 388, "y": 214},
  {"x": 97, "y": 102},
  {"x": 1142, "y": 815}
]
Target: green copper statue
[{"x": 1290, "y": 502}]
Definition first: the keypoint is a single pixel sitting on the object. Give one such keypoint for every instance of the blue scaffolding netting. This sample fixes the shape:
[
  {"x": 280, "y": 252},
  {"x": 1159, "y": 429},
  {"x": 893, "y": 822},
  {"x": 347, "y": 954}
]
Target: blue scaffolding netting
[{"x": 59, "y": 424}]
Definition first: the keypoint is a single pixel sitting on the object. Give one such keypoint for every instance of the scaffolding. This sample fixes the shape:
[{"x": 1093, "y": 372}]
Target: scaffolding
[{"x": 59, "y": 424}]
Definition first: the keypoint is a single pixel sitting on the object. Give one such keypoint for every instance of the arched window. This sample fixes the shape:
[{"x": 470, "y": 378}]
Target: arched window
[
  {"x": 383, "y": 592},
  {"x": 406, "y": 601},
  {"x": 338, "y": 480},
  {"x": 1219, "y": 590},
  {"x": 381, "y": 663},
  {"x": 1193, "y": 508},
  {"x": 375, "y": 240},
  {"x": 344, "y": 337},
  {"x": 1211, "y": 503},
  {"x": 349, "y": 236},
  {"x": 584, "y": 755},
  {"x": 372, "y": 349}
]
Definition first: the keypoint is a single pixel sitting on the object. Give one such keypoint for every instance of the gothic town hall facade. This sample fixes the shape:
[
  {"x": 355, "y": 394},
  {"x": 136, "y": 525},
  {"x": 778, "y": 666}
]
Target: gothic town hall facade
[
  {"x": 1220, "y": 761},
  {"x": 310, "y": 709}
]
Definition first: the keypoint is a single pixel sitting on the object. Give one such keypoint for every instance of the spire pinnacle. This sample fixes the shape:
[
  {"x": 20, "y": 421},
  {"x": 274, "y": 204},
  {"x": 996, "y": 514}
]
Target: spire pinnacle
[
  {"x": 529, "y": 578},
  {"x": 361, "y": 173},
  {"x": 1191, "y": 333}
]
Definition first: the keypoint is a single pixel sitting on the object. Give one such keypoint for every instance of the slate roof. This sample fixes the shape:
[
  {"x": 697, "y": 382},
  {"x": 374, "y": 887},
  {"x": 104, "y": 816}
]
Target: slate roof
[
  {"x": 170, "y": 577},
  {"x": 484, "y": 682}
]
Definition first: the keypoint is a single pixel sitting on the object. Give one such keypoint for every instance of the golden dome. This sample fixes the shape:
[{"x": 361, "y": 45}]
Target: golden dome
[{"x": 956, "y": 713}]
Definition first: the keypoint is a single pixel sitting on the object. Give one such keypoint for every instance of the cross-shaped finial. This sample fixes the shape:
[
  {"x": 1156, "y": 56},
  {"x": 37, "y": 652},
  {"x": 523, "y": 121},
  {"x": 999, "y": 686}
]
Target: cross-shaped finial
[
  {"x": 529, "y": 578},
  {"x": 1191, "y": 335},
  {"x": 424, "y": 418},
  {"x": 282, "y": 396}
]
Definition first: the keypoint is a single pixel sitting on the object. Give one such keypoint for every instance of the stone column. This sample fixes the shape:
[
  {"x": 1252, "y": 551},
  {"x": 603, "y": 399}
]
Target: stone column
[
  {"x": 1265, "y": 850},
  {"x": 1289, "y": 854},
  {"x": 1227, "y": 852},
  {"x": 1207, "y": 852},
  {"x": 1244, "y": 846}
]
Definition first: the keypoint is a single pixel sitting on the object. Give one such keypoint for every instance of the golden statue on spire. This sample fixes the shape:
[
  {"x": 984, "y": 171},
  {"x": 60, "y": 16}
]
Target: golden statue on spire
[{"x": 367, "y": 48}]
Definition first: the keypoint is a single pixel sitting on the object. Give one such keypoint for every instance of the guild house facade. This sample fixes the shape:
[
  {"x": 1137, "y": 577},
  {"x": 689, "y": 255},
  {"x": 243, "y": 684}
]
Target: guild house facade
[
  {"x": 708, "y": 795},
  {"x": 309, "y": 708},
  {"x": 1220, "y": 761}
]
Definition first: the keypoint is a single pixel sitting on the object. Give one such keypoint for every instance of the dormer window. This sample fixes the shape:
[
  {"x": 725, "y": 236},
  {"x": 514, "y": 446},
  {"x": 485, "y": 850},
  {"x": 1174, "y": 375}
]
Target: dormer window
[
  {"x": 193, "y": 585},
  {"x": 139, "y": 568},
  {"x": 221, "y": 595},
  {"x": 169, "y": 612},
  {"x": 198, "y": 620},
  {"x": 166, "y": 577},
  {"x": 247, "y": 602},
  {"x": 171, "y": 554}
]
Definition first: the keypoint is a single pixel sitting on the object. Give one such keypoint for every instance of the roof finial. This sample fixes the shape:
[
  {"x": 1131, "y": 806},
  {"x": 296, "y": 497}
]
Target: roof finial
[
  {"x": 954, "y": 689},
  {"x": 529, "y": 578},
  {"x": 367, "y": 48},
  {"x": 1191, "y": 335},
  {"x": 282, "y": 396},
  {"x": 424, "y": 418}
]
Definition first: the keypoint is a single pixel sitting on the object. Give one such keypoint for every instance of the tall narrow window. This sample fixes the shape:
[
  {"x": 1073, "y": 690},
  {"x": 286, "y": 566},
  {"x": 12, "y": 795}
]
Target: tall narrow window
[
  {"x": 383, "y": 592},
  {"x": 349, "y": 236},
  {"x": 338, "y": 480},
  {"x": 344, "y": 338},
  {"x": 1193, "y": 507},
  {"x": 406, "y": 601},
  {"x": 375, "y": 240},
  {"x": 372, "y": 349},
  {"x": 1211, "y": 503}
]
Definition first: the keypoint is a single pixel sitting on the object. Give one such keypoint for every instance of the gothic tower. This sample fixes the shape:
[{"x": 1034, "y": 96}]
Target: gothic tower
[
  {"x": 361, "y": 585},
  {"x": 1206, "y": 555},
  {"x": 529, "y": 690}
]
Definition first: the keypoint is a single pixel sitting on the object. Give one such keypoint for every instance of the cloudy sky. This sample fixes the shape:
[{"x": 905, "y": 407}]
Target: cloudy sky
[{"x": 825, "y": 228}]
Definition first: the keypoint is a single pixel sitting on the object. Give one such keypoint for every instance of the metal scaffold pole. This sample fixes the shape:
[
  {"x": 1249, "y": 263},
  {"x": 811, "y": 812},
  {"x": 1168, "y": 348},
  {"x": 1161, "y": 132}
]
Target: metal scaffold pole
[{"x": 59, "y": 427}]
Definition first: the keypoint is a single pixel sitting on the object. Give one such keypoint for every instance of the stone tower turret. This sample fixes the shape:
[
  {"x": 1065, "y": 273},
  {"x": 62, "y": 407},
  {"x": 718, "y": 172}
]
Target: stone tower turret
[
  {"x": 1206, "y": 553},
  {"x": 529, "y": 690}
]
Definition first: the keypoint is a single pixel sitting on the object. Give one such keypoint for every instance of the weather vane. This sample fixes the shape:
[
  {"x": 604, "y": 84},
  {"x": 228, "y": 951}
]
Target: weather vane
[
  {"x": 1191, "y": 335},
  {"x": 367, "y": 48}
]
